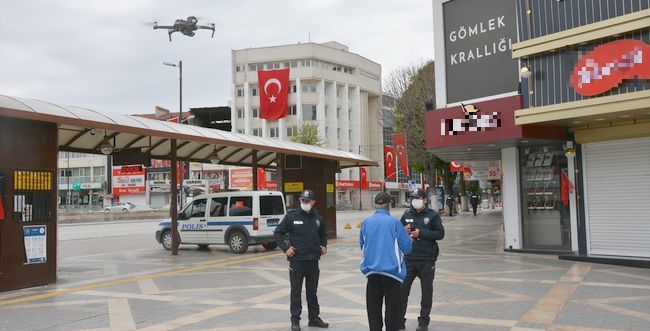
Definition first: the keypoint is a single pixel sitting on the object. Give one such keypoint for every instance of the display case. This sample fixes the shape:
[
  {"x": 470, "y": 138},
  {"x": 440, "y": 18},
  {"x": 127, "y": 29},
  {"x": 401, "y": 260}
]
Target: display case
[{"x": 545, "y": 219}]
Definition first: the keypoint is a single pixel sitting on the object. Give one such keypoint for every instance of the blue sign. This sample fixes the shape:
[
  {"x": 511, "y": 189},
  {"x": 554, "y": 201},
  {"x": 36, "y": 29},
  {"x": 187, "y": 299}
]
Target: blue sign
[{"x": 35, "y": 243}]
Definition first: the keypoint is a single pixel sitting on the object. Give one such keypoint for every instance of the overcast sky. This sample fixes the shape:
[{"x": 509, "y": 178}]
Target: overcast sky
[{"x": 102, "y": 54}]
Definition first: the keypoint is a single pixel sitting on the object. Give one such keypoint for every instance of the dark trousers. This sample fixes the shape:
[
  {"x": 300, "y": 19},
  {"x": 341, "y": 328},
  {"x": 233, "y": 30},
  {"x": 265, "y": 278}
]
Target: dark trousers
[
  {"x": 474, "y": 208},
  {"x": 307, "y": 270},
  {"x": 381, "y": 287},
  {"x": 425, "y": 270}
]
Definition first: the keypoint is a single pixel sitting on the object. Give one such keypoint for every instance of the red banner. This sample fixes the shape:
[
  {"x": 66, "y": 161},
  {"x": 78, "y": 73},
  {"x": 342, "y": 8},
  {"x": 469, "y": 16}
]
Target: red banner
[
  {"x": 390, "y": 170},
  {"x": 399, "y": 142},
  {"x": 261, "y": 178},
  {"x": 274, "y": 92},
  {"x": 609, "y": 64},
  {"x": 2, "y": 210}
]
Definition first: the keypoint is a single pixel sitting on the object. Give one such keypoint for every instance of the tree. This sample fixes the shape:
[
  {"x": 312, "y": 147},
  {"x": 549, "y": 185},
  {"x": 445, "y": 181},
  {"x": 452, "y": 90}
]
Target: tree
[
  {"x": 412, "y": 86},
  {"x": 308, "y": 134}
]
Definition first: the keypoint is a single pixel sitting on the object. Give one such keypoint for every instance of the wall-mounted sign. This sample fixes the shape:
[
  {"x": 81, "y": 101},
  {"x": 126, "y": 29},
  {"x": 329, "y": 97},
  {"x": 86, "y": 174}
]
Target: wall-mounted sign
[
  {"x": 609, "y": 64},
  {"x": 472, "y": 121},
  {"x": 478, "y": 56},
  {"x": 293, "y": 187},
  {"x": 128, "y": 182},
  {"x": 35, "y": 237}
]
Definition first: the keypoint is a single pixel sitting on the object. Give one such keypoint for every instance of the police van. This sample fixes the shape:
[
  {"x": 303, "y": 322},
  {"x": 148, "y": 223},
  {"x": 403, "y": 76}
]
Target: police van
[{"x": 237, "y": 219}]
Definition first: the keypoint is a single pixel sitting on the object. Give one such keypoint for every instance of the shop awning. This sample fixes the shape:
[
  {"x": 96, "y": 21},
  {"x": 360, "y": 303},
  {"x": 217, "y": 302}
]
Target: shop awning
[{"x": 83, "y": 130}]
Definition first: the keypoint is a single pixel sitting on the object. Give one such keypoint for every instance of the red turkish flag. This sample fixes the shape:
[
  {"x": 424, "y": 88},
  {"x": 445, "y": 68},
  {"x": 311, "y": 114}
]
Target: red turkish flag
[
  {"x": 364, "y": 179},
  {"x": 399, "y": 141},
  {"x": 2, "y": 210},
  {"x": 274, "y": 93},
  {"x": 261, "y": 178},
  {"x": 565, "y": 188},
  {"x": 456, "y": 166},
  {"x": 390, "y": 169}
]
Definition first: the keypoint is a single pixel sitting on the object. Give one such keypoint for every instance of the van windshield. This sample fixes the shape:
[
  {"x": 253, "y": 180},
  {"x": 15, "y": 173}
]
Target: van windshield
[{"x": 271, "y": 205}]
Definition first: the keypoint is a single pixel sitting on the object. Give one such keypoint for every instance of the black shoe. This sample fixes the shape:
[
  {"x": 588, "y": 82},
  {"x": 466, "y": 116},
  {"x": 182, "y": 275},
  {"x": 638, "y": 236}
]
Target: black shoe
[
  {"x": 295, "y": 326},
  {"x": 422, "y": 328},
  {"x": 317, "y": 322}
]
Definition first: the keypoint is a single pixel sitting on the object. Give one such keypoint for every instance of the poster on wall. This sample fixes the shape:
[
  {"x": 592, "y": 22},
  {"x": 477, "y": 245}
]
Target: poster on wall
[
  {"x": 35, "y": 243},
  {"x": 128, "y": 180},
  {"x": 478, "y": 48}
]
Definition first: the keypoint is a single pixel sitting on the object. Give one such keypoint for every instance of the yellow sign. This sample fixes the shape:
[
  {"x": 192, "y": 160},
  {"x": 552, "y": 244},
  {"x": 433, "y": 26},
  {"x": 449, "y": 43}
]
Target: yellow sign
[
  {"x": 32, "y": 180},
  {"x": 292, "y": 187},
  {"x": 329, "y": 188}
]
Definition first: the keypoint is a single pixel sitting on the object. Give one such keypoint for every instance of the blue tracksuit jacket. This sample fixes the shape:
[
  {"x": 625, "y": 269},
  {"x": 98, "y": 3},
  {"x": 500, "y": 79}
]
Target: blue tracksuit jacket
[{"x": 384, "y": 242}]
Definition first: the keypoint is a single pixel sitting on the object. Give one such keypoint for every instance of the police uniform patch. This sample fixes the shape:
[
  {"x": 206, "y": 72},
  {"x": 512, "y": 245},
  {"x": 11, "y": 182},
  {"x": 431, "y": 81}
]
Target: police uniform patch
[
  {"x": 318, "y": 222},
  {"x": 426, "y": 221}
]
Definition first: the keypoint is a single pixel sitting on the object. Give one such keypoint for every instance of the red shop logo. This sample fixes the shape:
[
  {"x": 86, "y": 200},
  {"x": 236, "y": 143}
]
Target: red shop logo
[{"x": 609, "y": 64}]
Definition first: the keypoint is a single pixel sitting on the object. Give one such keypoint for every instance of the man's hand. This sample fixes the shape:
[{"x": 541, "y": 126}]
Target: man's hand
[
  {"x": 290, "y": 252},
  {"x": 323, "y": 250},
  {"x": 407, "y": 228},
  {"x": 415, "y": 234}
]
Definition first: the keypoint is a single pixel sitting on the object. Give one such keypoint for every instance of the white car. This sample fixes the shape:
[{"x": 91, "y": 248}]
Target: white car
[
  {"x": 121, "y": 207},
  {"x": 236, "y": 219}
]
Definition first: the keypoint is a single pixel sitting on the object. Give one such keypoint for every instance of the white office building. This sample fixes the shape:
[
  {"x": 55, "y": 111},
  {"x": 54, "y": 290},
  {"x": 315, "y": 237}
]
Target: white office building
[{"x": 331, "y": 87}]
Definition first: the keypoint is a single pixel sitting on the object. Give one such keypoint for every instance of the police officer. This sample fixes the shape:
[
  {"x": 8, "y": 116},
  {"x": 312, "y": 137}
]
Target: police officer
[
  {"x": 473, "y": 200},
  {"x": 425, "y": 227},
  {"x": 307, "y": 242}
]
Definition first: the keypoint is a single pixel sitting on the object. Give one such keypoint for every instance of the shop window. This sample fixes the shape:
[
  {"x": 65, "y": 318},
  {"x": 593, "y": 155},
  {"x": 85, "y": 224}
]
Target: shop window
[{"x": 546, "y": 220}]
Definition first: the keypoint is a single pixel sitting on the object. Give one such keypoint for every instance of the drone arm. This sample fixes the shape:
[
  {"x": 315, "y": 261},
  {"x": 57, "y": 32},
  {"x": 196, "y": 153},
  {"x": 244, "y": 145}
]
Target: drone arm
[
  {"x": 211, "y": 27},
  {"x": 170, "y": 34},
  {"x": 162, "y": 27}
]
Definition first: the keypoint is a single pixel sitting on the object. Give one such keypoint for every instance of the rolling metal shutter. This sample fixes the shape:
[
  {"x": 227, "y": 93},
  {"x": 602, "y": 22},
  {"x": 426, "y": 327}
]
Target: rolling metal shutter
[{"x": 617, "y": 178}]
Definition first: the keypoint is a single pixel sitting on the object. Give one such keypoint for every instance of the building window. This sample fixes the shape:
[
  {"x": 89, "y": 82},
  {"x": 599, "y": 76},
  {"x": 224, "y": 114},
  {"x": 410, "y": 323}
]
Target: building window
[
  {"x": 295, "y": 88},
  {"x": 338, "y": 112},
  {"x": 327, "y": 132},
  {"x": 252, "y": 67},
  {"x": 350, "y": 114},
  {"x": 292, "y": 131},
  {"x": 350, "y": 135},
  {"x": 254, "y": 91},
  {"x": 309, "y": 112},
  {"x": 240, "y": 92},
  {"x": 306, "y": 63},
  {"x": 240, "y": 112},
  {"x": 237, "y": 68},
  {"x": 256, "y": 112},
  {"x": 274, "y": 132},
  {"x": 257, "y": 132},
  {"x": 292, "y": 110},
  {"x": 240, "y": 131},
  {"x": 311, "y": 88},
  {"x": 338, "y": 134}
]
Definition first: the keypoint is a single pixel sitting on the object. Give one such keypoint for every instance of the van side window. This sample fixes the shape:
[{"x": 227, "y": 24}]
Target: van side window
[
  {"x": 198, "y": 208},
  {"x": 218, "y": 207},
  {"x": 271, "y": 205},
  {"x": 241, "y": 206}
]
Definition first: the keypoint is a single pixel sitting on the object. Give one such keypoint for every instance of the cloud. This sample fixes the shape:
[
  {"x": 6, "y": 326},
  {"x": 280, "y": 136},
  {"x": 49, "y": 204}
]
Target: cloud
[{"x": 101, "y": 55}]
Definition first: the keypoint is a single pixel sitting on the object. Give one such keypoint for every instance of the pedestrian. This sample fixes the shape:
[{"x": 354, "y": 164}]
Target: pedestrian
[
  {"x": 425, "y": 227},
  {"x": 307, "y": 241},
  {"x": 383, "y": 242},
  {"x": 473, "y": 200}
]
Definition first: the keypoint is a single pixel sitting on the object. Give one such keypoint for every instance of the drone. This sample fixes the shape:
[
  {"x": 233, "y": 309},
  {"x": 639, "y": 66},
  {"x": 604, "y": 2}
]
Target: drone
[{"x": 186, "y": 27}]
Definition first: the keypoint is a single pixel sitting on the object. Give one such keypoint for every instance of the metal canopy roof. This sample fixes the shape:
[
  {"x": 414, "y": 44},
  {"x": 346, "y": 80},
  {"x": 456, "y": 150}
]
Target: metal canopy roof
[{"x": 153, "y": 137}]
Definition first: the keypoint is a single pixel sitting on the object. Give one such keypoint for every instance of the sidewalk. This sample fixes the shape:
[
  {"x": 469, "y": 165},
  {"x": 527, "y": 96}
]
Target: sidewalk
[{"x": 477, "y": 287}]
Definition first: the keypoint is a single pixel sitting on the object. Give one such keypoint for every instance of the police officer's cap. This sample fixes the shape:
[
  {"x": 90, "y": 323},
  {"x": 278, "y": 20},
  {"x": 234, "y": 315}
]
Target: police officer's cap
[
  {"x": 382, "y": 198},
  {"x": 308, "y": 195},
  {"x": 417, "y": 194}
]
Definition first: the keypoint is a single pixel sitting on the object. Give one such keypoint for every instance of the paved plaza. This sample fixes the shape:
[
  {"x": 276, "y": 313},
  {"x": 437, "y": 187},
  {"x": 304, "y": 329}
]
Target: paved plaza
[{"x": 135, "y": 285}]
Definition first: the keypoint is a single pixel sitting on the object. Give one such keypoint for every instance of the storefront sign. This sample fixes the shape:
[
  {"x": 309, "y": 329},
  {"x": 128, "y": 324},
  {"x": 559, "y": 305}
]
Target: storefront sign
[
  {"x": 128, "y": 182},
  {"x": 241, "y": 179},
  {"x": 478, "y": 42},
  {"x": 347, "y": 184},
  {"x": 376, "y": 186},
  {"x": 609, "y": 64},
  {"x": 293, "y": 187},
  {"x": 472, "y": 121},
  {"x": 329, "y": 188}
]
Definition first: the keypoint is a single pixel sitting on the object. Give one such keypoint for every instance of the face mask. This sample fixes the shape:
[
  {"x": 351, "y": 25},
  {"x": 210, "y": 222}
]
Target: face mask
[
  {"x": 417, "y": 203},
  {"x": 305, "y": 207}
]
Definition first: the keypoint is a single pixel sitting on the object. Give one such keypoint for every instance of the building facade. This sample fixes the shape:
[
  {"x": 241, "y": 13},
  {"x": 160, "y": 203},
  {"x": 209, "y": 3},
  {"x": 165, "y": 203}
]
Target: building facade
[
  {"x": 589, "y": 65},
  {"x": 330, "y": 87},
  {"x": 82, "y": 180}
]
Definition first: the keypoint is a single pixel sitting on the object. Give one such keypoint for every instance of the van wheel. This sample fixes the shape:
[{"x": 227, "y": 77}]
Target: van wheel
[
  {"x": 166, "y": 241},
  {"x": 270, "y": 246},
  {"x": 238, "y": 242},
  {"x": 203, "y": 245}
]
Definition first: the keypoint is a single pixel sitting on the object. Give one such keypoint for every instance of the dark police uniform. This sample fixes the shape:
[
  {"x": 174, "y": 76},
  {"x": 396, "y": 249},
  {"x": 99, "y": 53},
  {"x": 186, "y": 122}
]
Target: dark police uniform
[
  {"x": 421, "y": 262},
  {"x": 306, "y": 234},
  {"x": 474, "y": 202}
]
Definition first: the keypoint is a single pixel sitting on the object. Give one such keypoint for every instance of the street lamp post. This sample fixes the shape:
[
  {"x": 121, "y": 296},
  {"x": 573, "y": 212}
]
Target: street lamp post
[{"x": 180, "y": 114}]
